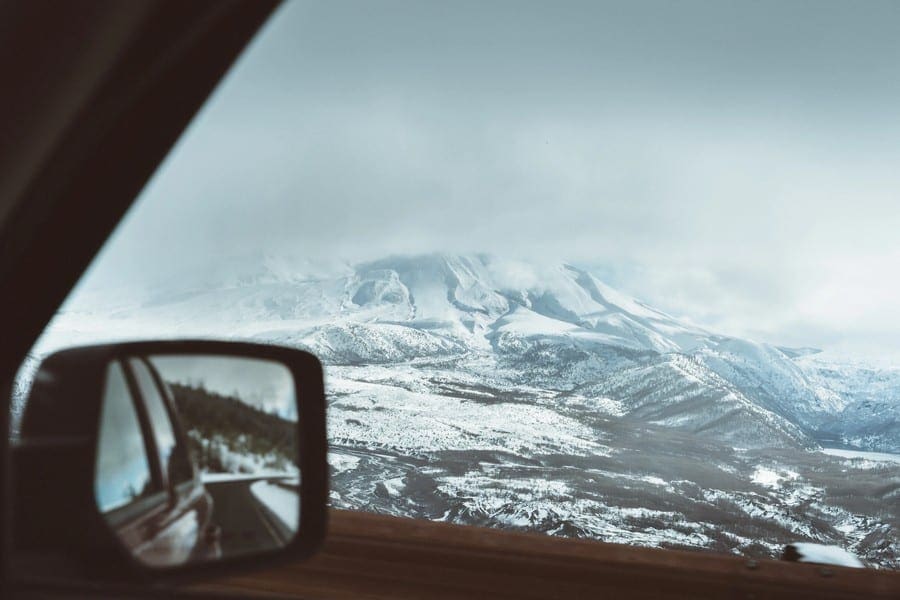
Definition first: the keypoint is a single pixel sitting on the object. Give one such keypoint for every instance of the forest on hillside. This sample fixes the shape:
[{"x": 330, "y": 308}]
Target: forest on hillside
[{"x": 227, "y": 435}]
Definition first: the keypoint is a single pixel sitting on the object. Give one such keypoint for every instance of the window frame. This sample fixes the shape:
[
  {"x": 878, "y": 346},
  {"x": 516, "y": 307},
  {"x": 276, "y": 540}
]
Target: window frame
[
  {"x": 179, "y": 488},
  {"x": 150, "y": 432},
  {"x": 162, "y": 496}
]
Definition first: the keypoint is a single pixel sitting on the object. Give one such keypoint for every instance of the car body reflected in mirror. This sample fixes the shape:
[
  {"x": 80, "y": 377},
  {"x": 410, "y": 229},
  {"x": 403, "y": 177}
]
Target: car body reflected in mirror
[
  {"x": 197, "y": 456},
  {"x": 172, "y": 458}
]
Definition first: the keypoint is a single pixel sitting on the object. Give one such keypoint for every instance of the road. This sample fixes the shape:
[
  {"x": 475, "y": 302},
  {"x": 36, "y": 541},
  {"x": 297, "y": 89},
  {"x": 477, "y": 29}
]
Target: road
[{"x": 246, "y": 525}]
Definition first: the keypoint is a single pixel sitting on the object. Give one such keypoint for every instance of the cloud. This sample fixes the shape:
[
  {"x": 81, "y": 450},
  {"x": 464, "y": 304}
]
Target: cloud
[{"x": 732, "y": 163}]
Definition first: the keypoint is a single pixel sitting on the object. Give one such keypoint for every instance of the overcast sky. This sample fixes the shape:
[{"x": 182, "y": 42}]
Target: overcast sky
[
  {"x": 264, "y": 384},
  {"x": 737, "y": 163}
]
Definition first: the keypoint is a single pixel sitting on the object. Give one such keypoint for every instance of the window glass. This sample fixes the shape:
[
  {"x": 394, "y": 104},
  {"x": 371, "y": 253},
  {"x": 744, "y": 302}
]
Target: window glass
[
  {"x": 123, "y": 471},
  {"x": 613, "y": 270},
  {"x": 172, "y": 458}
]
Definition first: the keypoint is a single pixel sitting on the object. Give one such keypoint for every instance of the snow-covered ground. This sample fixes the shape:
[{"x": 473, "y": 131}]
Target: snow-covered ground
[
  {"x": 282, "y": 498},
  {"x": 771, "y": 478},
  {"x": 872, "y": 457},
  {"x": 418, "y": 422},
  {"x": 831, "y": 555},
  {"x": 220, "y": 477}
]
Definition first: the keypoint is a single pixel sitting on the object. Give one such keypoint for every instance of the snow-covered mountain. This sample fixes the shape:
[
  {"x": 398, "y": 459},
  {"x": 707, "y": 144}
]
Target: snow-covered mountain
[
  {"x": 556, "y": 325},
  {"x": 489, "y": 391},
  {"x": 866, "y": 402}
]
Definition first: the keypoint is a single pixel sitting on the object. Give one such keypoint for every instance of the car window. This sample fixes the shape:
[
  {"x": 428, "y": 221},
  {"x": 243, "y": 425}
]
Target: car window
[
  {"x": 123, "y": 471},
  {"x": 172, "y": 458},
  {"x": 620, "y": 271}
]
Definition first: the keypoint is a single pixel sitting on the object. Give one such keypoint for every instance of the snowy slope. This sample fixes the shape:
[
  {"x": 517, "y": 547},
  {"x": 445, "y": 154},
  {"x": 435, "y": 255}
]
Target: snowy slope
[
  {"x": 867, "y": 397},
  {"x": 772, "y": 378},
  {"x": 681, "y": 392}
]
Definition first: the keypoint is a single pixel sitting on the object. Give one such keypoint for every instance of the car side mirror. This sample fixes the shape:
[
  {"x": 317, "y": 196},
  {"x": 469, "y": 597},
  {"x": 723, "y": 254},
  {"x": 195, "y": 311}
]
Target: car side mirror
[{"x": 165, "y": 459}]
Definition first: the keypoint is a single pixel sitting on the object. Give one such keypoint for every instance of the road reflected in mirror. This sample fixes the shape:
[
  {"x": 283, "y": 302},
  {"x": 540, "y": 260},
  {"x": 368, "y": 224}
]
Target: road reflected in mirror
[{"x": 197, "y": 457}]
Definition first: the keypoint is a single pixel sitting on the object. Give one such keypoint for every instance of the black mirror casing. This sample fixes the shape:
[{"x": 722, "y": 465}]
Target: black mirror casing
[{"x": 55, "y": 514}]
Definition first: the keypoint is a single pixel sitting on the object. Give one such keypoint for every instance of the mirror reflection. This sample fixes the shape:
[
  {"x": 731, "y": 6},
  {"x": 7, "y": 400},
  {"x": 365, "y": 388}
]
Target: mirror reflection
[{"x": 197, "y": 456}]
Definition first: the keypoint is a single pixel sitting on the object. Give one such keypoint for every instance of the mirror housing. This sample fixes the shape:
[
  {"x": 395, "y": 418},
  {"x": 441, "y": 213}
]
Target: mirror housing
[{"x": 56, "y": 516}]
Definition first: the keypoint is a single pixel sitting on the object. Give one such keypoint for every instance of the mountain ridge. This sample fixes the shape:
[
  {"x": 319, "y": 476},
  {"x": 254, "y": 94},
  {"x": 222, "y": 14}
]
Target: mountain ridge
[{"x": 554, "y": 323}]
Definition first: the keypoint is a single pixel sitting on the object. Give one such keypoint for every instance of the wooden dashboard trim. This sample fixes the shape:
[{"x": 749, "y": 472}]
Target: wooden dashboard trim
[{"x": 374, "y": 556}]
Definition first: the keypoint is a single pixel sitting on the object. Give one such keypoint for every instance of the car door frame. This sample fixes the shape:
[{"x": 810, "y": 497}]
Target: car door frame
[
  {"x": 175, "y": 499},
  {"x": 122, "y": 81},
  {"x": 178, "y": 429},
  {"x": 139, "y": 513}
]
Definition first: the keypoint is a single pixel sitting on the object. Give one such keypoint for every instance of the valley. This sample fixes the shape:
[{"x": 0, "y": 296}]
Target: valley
[{"x": 443, "y": 449}]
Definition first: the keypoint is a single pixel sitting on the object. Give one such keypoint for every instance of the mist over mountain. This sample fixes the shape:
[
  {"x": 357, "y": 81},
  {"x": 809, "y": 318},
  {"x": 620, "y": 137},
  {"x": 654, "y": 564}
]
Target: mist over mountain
[{"x": 550, "y": 324}]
